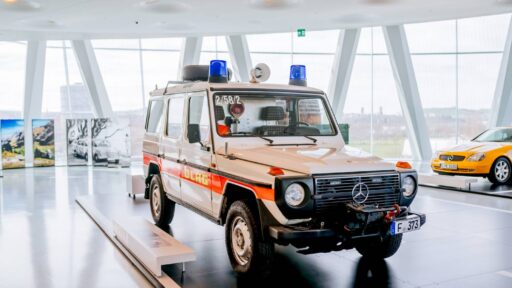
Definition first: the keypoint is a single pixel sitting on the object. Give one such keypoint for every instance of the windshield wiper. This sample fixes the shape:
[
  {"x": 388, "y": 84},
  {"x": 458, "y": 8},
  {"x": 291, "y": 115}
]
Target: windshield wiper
[
  {"x": 252, "y": 134},
  {"x": 311, "y": 138}
]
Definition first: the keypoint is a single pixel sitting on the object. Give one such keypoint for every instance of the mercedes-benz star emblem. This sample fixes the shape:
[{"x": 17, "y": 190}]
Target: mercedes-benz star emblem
[
  {"x": 450, "y": 157},
  {"x": 360, "y": 193}
]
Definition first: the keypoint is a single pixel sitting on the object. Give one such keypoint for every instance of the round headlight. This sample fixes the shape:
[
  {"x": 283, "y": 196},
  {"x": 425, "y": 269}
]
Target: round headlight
[
  {"x": 409, "y": 186},
  {"x": 294, "y": 195}
]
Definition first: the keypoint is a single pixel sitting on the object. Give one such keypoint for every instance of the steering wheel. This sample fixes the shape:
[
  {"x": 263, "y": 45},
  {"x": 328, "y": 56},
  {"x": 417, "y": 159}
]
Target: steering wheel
[{"x": 296, "y": 124}]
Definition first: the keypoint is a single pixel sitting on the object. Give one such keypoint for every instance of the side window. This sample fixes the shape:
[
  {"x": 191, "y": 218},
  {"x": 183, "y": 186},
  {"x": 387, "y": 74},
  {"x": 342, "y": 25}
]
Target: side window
[
  {"x": 154, "y": 123},
  {"x": 198, "y": 115},
  {"x": 175, "y": 117}
]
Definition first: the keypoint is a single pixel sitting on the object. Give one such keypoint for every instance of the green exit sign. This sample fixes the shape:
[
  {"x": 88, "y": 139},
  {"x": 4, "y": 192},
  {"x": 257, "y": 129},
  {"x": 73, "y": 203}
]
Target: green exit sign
[{"x": 301, "y": 32}]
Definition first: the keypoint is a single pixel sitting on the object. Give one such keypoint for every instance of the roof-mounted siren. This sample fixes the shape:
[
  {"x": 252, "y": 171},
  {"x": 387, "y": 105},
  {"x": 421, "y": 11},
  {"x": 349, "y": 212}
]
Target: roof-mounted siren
[
  {"x": 298, "y": 75},
  {"x": 260, "y": 73},
  {"x": 218, "y": 72}
]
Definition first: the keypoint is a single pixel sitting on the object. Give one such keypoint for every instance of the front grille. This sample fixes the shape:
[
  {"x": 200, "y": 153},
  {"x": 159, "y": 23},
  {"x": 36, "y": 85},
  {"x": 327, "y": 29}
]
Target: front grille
[
  {"x": 335, "y": 191},
  {"x": 455, "y": 158}
]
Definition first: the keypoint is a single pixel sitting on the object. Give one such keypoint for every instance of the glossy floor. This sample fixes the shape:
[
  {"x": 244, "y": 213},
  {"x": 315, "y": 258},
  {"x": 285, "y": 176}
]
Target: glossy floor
[{"x": 47, "y": 240}]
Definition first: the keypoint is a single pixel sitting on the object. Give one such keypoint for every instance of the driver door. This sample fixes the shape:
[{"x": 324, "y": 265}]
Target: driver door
[{"x": 196, "y": 154}]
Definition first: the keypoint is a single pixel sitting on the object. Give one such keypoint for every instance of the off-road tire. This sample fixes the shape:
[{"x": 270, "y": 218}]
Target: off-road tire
[
  {"x": 494, "y": 178},
  {"x": 378, "y": 248},
  {"x": 165, "y": 215},
  {"x": 262, "y": 253}
]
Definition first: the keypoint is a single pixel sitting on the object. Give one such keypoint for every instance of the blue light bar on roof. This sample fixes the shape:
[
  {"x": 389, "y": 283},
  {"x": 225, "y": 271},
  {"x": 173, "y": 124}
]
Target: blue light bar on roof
[
  {"x": 218, "y": 71},
  {"x": 298, "y": 75}
]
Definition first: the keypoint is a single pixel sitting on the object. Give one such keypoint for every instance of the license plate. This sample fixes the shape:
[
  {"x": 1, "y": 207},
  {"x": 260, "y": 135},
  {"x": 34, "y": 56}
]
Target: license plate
[
  {"x": 407, "y": 224},
  {"x": 449, "y": 166}
]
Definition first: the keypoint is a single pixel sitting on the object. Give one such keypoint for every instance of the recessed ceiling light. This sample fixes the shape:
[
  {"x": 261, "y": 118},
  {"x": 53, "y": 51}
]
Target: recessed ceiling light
[
  {"x": 174, "y": 26},
  {"x": 41, "y": 23},
  {"x": 274, "y": 4},
  {"x": 163, "y": 6},
  {"x": 21, "y": 5}
]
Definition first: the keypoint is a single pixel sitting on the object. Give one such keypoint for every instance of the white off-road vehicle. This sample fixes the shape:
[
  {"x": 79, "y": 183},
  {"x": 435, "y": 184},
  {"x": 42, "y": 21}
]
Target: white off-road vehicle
[{"x": 269, "y": 163}]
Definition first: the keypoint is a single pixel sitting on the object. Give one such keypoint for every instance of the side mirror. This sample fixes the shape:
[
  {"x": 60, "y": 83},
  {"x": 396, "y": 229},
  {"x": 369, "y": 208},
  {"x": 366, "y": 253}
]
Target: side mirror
[{"x": 193, "y": 133}]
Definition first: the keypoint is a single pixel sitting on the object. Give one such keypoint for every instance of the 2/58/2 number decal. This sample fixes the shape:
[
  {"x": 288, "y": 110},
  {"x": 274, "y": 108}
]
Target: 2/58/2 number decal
[{"x": 227, "y": 99}]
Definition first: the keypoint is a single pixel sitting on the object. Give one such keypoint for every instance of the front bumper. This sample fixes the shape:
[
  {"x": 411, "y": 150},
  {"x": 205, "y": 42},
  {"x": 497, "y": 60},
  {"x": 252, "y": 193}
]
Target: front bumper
[
  {"x": 463, "y": 167},
  {"x": 292, "y": 234}
]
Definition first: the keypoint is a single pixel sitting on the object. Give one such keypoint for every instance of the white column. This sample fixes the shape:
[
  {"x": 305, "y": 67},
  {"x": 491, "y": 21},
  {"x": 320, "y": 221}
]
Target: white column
[
  {"x": 190, "y": 52},
  {"x": 408, "y": 93},
  {"x": 342, "y": 69},
  {"x": 33, "y": 98},
  {"x": 241, "y": 57},
  {"x": 502, "y": 104},
  {"x": 91, "y": 74}
]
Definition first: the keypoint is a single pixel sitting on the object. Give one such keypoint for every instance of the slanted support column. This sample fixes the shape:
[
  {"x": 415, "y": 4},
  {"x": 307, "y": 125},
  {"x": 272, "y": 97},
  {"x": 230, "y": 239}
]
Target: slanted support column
[
  {"x": 408, "y": 93},
  {"x": 502, "y": 104},
  {"x": 190, "y": 52},
  {"x": 91, "y": 74},
  {"x": 33, "y": 98},
  {"x": 342, "y": 69},
  {"x": 240, "y": 55}
]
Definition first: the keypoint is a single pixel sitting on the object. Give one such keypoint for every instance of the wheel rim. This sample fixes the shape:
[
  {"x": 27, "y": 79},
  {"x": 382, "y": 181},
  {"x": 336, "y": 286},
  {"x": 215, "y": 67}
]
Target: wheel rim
[
  {"x": 155, "y": 197},
  {"x": 502, "y": 171},
  {"x": 241, "y": 242}
]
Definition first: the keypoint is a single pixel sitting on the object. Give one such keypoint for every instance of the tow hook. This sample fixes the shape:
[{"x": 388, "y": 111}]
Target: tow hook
[{"x": 392, "y": 214}]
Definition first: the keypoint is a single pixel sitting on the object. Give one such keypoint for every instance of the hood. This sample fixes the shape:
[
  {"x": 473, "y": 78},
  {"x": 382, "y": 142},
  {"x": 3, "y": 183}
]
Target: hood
[
  {"x": 313, "y": 160},
  {"x": 475, "y": 147}
]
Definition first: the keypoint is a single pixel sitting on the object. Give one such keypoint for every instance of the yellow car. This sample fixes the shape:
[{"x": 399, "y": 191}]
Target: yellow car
[{"x": 488, "y": 155}]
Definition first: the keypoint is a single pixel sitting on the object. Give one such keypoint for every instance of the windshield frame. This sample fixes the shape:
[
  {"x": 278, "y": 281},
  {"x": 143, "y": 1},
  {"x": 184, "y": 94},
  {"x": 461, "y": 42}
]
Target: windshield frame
[
  {"x": 263, "y": 93},
  {"x": 491, "y": 129}
]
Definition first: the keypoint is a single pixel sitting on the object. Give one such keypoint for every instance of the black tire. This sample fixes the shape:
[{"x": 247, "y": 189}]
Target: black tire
[
  {"x": 86, "y": 157},
  {"x": 378, "y": 248},
  {"x": 497, "y": 178},
  {"x": 195, "y": 72},
  {"x": 260, "y": 254},
  {"x": 162, "y": 208},
  {"x": 95, "y": 158}
]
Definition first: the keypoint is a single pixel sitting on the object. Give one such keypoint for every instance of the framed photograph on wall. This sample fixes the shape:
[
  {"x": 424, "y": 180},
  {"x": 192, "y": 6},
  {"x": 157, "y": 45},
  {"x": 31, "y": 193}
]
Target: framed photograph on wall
[
  {"x": 110, "y": 142},
  {"x": 43, "y": 142},
  {"x": 13, "y": 143},
  {"x": 77, "y": 140}
]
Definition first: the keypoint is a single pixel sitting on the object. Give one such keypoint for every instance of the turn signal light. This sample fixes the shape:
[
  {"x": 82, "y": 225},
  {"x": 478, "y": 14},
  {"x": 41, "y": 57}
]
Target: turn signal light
[
  {"x": 403, "y": 165},
  {"x": 274, "y": 171}
]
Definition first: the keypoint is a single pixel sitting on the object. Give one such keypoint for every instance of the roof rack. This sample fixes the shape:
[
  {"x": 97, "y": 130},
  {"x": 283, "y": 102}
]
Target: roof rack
[{"x": 175, "y": 83}]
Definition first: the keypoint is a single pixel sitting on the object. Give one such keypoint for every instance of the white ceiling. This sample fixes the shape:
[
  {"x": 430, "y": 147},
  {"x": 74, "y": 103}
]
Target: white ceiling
[{"x": 76, "y": 19}]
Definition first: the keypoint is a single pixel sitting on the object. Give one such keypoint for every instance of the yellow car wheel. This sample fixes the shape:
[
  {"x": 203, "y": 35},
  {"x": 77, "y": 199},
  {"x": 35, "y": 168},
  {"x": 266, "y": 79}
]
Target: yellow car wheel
[{"x": 501, "y": 171}]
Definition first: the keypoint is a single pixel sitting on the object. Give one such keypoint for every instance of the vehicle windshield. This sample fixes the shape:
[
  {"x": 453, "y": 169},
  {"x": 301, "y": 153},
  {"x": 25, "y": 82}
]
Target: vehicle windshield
[
  {"x": 239, "y": 115},
  {"x": 495, "y": 135}
]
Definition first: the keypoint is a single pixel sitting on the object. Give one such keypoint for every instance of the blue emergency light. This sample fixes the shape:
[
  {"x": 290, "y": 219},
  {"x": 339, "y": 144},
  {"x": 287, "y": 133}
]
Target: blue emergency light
[
  {"x": 218, "y": 71},
  {"x": 298, "y": 75}
]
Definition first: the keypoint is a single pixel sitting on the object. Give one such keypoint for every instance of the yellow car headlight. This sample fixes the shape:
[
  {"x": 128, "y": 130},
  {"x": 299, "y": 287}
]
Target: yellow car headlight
[{"x": 476, "y": 157}]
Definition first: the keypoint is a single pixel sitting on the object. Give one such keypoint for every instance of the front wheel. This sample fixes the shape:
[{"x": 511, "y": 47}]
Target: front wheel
[
  {"x": 162, "y": 208},
  {"x": 379, "y": 248},
  {"x": 248, "y": 253},
  {"x": 501, "y": 171}
]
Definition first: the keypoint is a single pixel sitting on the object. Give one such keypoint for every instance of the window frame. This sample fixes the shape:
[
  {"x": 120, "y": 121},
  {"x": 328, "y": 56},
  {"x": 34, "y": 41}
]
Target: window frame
[
  {"x": 148, "y": 116},
  {"x": 205, "y": 94},
  {"x": 181, "y": 95}
]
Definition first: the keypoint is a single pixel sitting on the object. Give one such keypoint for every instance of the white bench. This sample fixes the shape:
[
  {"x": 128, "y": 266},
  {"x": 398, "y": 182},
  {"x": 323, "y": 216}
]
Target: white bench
[
  {"x": 151, "y": 245},
  {"x": 460, "y": 182},
  {"x": 135, "y": 183}
]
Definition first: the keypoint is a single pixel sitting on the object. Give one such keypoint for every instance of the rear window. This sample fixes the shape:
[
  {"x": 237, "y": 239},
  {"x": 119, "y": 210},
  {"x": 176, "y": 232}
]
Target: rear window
[{"x": 154, "y": 124}]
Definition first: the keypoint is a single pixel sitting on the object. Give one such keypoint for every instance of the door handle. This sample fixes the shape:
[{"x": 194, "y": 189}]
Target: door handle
[{"x": 182, "y": 161}]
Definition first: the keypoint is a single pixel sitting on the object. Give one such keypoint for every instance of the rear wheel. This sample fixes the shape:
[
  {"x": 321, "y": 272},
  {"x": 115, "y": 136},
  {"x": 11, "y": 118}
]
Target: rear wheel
[
  {"x": 501, "y": 171},
  {"x": 379, "y": 248},
  {"x": 162, "y": 208},
  {"x": 248, "y": 253}
]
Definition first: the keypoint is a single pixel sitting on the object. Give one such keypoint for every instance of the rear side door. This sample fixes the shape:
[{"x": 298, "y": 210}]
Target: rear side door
[
  {"x": 196, "y": 156},
  {"x": 171, "y": 141},
  {"x": 154, "y": 128}
]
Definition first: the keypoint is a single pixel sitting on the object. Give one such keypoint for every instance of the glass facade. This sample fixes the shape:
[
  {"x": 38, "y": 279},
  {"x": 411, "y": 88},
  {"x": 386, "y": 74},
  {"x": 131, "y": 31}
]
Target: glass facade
[{"x": 456, "y": 64}]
